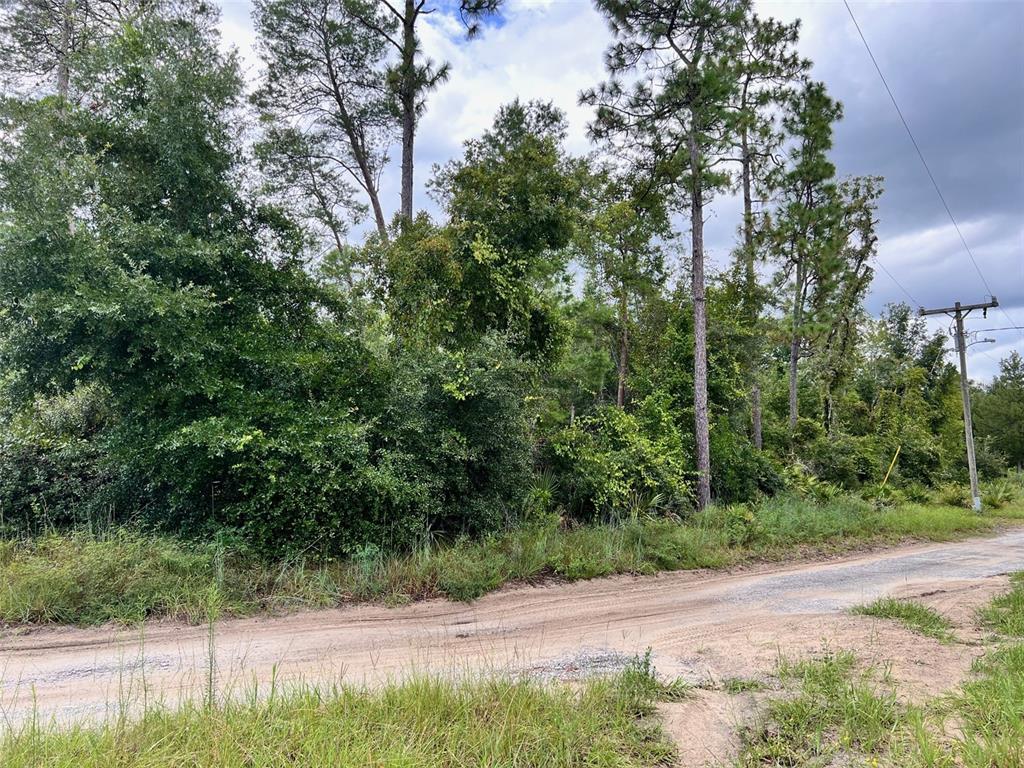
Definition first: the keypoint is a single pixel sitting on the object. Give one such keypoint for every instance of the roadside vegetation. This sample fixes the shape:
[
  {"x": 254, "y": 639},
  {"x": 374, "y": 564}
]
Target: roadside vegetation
[
  {"x": 216, "y": 335},
  {"x": 837, "y": 713},
  {"x": 606, "y": 722},
  {"x": 127, "y": 576},
  {"x": 914, "y": 616}
]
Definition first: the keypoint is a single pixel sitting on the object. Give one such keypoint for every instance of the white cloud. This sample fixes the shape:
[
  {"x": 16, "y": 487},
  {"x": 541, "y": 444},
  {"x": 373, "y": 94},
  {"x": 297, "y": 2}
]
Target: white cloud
[{"x": 552, "y": 49}]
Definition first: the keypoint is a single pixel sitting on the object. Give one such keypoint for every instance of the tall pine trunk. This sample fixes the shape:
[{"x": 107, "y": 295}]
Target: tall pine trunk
[
  {"x": 408, "y": 104},
  {"x": 700, "y": 350},
  {"x": 356, "y": 142},
  {"x": 620, "y": 398},
  {"x": 794, "y": 345},
  {"x": 750, "y": 279}
]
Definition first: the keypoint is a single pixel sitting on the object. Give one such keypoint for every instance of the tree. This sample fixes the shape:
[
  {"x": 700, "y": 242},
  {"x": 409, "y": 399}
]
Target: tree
[
  {"x": 808, "y": 228},
  {"x": 768, "y": 64},
  {"x": 622, "y": 249},
  {"x": 999, "y": 409},
  {"x": 410, "y": 78},
  {"x": 677, "y": 120},
  {"x": 513, "y": 202},
  {"x": 842, "y": 308},
  {"x": 39, "y": 39},
  {"x": 326, "y": 104}
]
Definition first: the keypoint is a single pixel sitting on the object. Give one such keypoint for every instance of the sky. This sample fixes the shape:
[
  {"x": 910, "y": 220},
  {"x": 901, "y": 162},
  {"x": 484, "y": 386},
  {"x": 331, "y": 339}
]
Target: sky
[{"x": 956, "y": 70}]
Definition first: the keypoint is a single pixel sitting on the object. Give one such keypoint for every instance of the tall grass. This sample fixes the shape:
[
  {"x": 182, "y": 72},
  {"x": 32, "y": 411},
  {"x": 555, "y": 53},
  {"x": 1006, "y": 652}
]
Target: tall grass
[
  {"x": 425, "y": 722},
  {"x": 126, "y": 576}
]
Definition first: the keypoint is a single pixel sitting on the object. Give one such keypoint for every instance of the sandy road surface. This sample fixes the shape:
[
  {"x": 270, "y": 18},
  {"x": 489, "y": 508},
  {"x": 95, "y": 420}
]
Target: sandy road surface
[{"x": 704, "y": 626}]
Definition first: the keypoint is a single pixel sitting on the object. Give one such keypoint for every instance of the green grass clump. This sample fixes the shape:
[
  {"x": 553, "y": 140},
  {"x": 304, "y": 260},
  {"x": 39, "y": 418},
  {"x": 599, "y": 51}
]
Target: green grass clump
[
  {"x": 443, "y": 724},
  {"x": 914, "y": 616},
  {"x": 736, "y": 685},
  {"x": 833, "y": 710},
  {"x": 1005, "y": 614},
  {"x": 988, "y": 712},
  {"x": 834, "y": 715}
]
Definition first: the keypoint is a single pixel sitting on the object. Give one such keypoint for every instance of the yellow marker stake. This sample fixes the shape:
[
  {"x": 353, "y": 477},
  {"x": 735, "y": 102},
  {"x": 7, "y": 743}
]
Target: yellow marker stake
[{"x": 891, "y": 465}]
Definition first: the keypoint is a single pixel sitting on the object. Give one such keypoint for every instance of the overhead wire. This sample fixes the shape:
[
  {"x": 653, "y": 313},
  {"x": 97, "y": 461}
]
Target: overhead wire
[{"x": 924, "y": 162}]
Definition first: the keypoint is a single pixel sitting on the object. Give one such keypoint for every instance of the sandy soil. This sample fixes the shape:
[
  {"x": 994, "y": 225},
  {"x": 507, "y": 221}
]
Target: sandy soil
[{"x": 705, "y": 627}]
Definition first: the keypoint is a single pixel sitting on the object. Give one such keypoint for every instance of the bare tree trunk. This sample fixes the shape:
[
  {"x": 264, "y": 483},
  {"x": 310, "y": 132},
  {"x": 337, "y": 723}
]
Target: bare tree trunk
[
  {"x": 408, "y": 104},
  {"x": 750, "y": 278},
  {"x": 356, "y": 141},
  {"x": 700, "y": 350},
  {"x": 794, "y": 346},
  {"x": 370, "y": 185},
  {"x": 755, "y": 412},
  {"x": 620, "y": 398},
  {"x": 63, "y": 66}
]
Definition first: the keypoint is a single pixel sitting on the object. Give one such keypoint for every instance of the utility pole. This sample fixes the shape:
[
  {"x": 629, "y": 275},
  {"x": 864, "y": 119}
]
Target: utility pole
[{"x": 959, "y": 311}]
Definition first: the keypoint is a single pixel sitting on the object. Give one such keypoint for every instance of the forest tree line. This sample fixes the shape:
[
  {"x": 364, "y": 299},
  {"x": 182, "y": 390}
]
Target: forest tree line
[{"x": 195, "y": 336}]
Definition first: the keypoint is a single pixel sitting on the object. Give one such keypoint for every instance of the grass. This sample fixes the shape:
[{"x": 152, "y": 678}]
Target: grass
[
  {"x": 914, "y": 616},
  {"x": 835, "y": 714},
  {"x": 832, "y": 711},
  {"x": 126, "y": 576},
  {"x": 1005, "y": 614},
  {"x": 604, "y": 722},
  {"x": 737, "y": 685}
]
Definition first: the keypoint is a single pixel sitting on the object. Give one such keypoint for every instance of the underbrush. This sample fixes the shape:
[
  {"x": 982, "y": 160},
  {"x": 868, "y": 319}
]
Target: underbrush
[
  {"x": 126, "y": 576},
  {"x": 426, "y": 722}
]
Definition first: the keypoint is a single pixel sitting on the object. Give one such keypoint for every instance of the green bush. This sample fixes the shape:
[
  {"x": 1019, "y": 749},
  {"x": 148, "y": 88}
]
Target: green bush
[
  {"x": 848, "y": 461},
  {"x": 612, "y": 462},
  {"x": 55, "y": 469},
  {"x": 740, "y": 472}
]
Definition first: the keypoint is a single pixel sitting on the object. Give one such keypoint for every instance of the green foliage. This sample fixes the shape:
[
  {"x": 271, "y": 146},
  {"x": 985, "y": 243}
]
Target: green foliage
[
  {"x": 176, "y": 351},
  {"x": 55, "y": 469},
  {"x": 743, "y": 472},
  {"x": 611, "y": 461},
  {"x": 919, "y": 618},
  {"x": 998, "y": 410}
]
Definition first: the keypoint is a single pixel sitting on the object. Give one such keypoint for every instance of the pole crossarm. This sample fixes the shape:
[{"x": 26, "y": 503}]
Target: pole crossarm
[{"x": 965, "y": 308}]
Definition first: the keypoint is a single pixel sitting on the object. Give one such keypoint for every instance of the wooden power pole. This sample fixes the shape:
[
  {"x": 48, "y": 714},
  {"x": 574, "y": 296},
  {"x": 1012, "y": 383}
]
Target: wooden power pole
[{"x": 959, "y": 311}]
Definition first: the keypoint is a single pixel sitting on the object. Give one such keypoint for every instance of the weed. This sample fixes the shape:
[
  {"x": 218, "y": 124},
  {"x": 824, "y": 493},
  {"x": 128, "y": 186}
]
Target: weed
[
  {"x": 914, "y": 616},
  {"x": 1005, "y": 614}
]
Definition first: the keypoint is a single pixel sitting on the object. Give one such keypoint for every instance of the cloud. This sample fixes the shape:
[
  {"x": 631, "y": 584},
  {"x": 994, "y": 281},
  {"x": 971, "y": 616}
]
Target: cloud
[{"x": 957, "y": 70}]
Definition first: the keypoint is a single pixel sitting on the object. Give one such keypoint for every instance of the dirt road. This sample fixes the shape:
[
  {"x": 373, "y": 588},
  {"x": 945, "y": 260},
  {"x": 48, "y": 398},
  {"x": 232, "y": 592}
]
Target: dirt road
[{"x": 703, "y": 626}]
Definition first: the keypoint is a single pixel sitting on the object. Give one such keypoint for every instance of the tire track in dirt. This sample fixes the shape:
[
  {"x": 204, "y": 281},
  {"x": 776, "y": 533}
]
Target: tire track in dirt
[{"x": 700, "y": 625}]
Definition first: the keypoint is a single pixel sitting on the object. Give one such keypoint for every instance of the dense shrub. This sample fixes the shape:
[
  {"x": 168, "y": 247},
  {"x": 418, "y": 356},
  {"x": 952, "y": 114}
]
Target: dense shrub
[
  {"x": 739, "y": 471},
  {"x": 849, "y": 461},
  {"x": 55, "y": 470},
  {"x": 617, "y": 463}
]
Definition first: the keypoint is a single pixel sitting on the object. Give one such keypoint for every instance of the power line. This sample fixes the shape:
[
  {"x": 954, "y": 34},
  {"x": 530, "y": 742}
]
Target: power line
[
  {"x": 1004, "y": 328},
  {"x": 924, "y": 162},
  {"x": 914, "y": 302}
]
